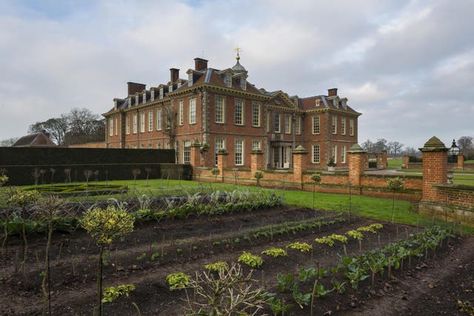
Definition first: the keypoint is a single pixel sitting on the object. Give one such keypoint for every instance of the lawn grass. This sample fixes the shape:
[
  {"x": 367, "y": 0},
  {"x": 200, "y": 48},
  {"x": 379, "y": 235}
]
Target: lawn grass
[
  {"x": 365, "y": 206},
  {"x": 394, "y": 163}
]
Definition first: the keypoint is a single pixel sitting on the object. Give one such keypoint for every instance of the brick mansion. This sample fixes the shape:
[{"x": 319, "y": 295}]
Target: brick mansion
[{"x": 220, "y": 110}]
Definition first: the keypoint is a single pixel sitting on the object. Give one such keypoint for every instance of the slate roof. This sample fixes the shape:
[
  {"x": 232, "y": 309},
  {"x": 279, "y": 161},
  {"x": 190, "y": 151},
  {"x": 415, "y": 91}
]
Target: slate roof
[{"x": 34, "y": 140}]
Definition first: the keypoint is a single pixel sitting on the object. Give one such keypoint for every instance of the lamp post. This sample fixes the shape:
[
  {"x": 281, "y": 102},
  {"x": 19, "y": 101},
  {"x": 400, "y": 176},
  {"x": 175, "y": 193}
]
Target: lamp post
[{"x": 453, "y": 152}]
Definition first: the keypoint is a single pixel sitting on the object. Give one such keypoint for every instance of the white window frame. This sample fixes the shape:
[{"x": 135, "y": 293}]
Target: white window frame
[
  {"x": 220, "y": 109},
  {"x": 144, "y": 97},
  {"x": 255, "y": 114},
  {"x": 268, "y": 122},
  {"x": 277, "y": 122},
  {"x": 343, "y": 126},
  {"x": 316, "y": 130},
  {"x": 152, "y": 97},
  {"x": 150, "y": 121},
  {"x": 111, "y": 126},
  {"x": 298, "y": 122},
  {"x": 239, "y": 117},
  {"x": 142, "y": 122},
  {"x": 127, "y": 124},
  {"x": 288, "y": 124},
  {"x": 219, "y": 144},
  {"x": 192, "y": 111},
  {"x": 181, "y": 112},
  {"x": 239, "y": 149},
  {"x": 351, "y": 127},
  {"x": 116, "y": 126},
  {"x": 256, "y": 144},
  {"x": 159, "y": 119},
  {"x": 334, "y": 124},
  {"x": 135, "y": 123},
  {"x": 187, "y": 152},
  {"x": 343, "y": 154},
  {"x": 313, "y": 156},
  {"x": 334, "y": 153}
]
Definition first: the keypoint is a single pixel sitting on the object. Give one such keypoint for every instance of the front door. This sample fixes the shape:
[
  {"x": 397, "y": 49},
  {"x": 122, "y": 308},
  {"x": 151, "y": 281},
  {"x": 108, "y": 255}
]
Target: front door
[{"x": 281, "y": 157}]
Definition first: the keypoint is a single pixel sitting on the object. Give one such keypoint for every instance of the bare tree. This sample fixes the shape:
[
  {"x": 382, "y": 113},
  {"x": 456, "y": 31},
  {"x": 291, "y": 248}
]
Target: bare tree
[
  {"x": 55, "y": 127},
  {"x": 395, "y": 148},
  {"x": 8, "y": 142}
]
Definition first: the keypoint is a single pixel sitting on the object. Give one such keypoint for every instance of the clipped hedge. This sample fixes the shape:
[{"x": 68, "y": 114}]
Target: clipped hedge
[{"x": 34, "y": 165}]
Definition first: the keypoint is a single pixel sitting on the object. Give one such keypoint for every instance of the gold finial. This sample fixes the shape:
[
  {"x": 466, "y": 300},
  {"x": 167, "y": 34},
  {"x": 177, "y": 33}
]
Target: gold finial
[{"x": 238, "y": 50}]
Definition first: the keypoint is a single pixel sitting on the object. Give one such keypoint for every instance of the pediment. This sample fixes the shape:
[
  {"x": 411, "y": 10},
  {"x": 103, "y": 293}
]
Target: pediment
[{"x": 282, "y": 99}]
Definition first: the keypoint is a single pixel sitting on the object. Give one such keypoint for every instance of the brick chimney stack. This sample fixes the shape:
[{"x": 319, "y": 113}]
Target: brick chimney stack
[
  {"x": 134, "y": 87},
  {"x": 332, "y": 92},
  {"x": 200, "y": 64},
  {"x": 174, "y": 74}
]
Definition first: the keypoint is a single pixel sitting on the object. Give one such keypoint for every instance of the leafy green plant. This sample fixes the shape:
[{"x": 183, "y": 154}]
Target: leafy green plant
[
  {"x": 216, "y": 266},
  {"x": 306, "y": 274},
  {"x": 278, "y": 306},
  {"x": 105, "y": 226},
  {"x": 339, "y": 286},
  {"x": 300, "y": 246},
  {"x": 321, "y": 291},
  {"x": 357, "y": 235},
  {"x": 22, "y": 199},
  {"x": 114, "y": 292},
  {"x": 250, "y": 260},
  {"x": 275, "y": 252},
  {"x": 372, "y": 228},
  {"x": 177, "y": 280},
  {"x": 285, "y": 282},
  {"x": 302, "y": 299}
]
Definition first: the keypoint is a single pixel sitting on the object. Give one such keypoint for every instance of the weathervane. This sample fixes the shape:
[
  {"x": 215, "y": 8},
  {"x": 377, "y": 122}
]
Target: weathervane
[{"x": 238, "y": 50}]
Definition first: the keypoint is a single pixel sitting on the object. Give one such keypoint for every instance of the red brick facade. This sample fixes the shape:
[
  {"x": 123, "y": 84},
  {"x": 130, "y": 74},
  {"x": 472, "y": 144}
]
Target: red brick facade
[{"x": 220, "y": 108}]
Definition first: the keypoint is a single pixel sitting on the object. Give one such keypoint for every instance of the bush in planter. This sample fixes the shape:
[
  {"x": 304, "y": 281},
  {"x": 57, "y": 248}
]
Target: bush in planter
[
  {"x": 258, "y": 175},
  {"x": 331, "y": 163}
]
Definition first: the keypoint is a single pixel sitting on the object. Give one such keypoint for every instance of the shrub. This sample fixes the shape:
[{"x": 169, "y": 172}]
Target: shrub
[
  {"x": 251, "y": 260},
  {"x": 217, "y": 266},
  {"x": 177, "y": 280},
  {"x": 228, "y": 292},
  {"x": 107, "y": 225},
  {"x": 355, "y": 234},
  {"x": 114, "y": 292},
  {"x": 275, "y": 252},
  {"x": 300, "y": 246}
]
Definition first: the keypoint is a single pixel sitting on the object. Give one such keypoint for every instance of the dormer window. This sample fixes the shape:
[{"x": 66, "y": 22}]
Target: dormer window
[
  {"x": 190, "y": 79},
  {"x": 318, "y": 102},
  {"x": 144, "y": 97},
  {"x": 243, "y": 84},
  {"x": 152, "y": 96},
  {"x": 179, "y": 84},
  {"x": 161, "y": 92},
  {"x": 228, "y": 80},
  {"x": 115, "y": 104},
  {"x": 170, "y": 88},
  {"x": 137, "y": 99},
  {"x": 344, "y": 103},
  {"x": 335, "y": 102}
]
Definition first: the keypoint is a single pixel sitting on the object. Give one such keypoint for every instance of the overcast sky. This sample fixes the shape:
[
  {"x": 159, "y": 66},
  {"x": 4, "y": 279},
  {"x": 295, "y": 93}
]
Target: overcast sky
[{"x": 408, "y": 66}]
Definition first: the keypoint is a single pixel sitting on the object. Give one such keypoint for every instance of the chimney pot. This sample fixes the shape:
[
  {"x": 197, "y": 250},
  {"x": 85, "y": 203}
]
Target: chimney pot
[
  {"x": 174, "y": 74},
  {"x": 200, "y": 64},
  {"x": 332, "y": 92}
]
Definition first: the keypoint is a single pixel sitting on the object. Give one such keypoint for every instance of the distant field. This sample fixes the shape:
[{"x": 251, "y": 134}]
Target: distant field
[{"x": 394, "y": 163}]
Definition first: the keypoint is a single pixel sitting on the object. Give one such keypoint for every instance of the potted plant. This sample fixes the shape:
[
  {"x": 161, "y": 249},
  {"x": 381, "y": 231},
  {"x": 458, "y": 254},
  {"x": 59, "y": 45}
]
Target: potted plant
[{"x": 331, "y": 164}]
